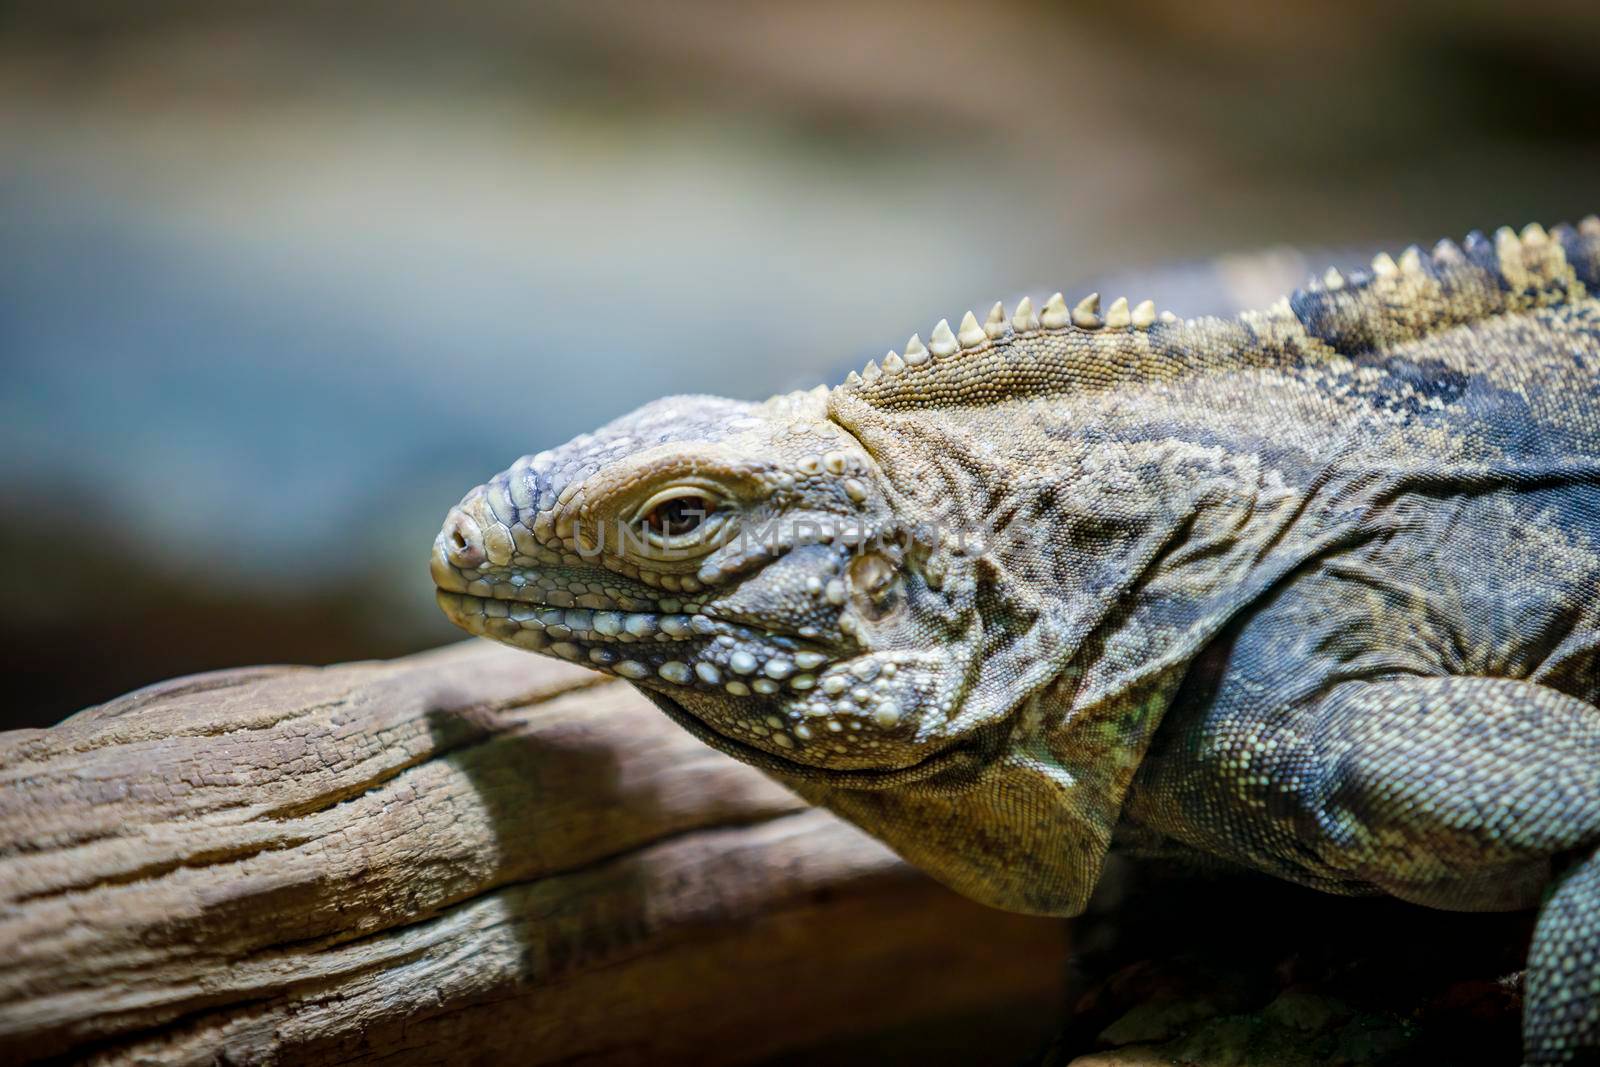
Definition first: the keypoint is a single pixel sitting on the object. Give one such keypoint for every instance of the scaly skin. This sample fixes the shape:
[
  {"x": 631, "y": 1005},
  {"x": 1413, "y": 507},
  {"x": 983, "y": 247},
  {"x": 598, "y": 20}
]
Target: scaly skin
[{"x": 1315, "y": 591}]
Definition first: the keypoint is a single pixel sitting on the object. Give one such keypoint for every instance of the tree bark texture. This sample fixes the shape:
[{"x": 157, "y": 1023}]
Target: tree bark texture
[{"x": 470, "y": 855}]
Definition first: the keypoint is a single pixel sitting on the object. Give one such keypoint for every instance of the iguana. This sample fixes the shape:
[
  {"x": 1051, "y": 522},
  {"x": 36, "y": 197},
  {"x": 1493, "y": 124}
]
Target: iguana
[{"x": 1315, "y": 591}]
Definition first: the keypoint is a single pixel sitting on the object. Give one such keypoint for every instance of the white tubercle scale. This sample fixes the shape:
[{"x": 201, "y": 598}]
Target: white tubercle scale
[
  {"x": 1087, "y": 313},
  {"x": 1025, "y": 321},
  {"x": 971, "y": 334},
  {"x": 994, "y": 325},
  {"x": 1055, "y": 314},
  {"x": 1117, "y": 315}
]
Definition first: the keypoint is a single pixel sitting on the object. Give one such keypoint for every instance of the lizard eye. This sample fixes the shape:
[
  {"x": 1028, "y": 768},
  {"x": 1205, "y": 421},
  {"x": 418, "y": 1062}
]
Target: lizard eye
[
  {"x": 678, "y": 515},
  {"x": 683, "y": 521}
]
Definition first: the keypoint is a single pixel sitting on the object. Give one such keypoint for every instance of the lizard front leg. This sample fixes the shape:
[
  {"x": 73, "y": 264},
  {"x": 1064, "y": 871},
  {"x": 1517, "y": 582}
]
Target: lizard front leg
[
  {"x": 1464, "y": 793},
  {"x": 1437, "y": 789},
  {"x": 1457, "y": 792},
  {"x": 1561, "y": 1012}
]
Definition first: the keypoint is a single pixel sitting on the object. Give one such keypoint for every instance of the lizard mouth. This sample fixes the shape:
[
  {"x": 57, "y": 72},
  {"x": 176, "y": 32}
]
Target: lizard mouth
[
  {"x": 696, "y": 651},
  {"x": 538, "y": 626}
]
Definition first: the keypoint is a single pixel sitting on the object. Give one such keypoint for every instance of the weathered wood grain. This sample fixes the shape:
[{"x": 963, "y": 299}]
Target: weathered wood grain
[{"x": 468, "y": 855}]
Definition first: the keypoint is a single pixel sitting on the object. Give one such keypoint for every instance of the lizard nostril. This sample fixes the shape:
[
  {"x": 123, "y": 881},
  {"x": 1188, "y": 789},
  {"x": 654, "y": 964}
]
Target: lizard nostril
[{"x": 463, "y": 542}]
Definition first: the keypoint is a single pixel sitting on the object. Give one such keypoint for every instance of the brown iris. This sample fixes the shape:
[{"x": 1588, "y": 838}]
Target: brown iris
[{"x": 678, "y": 516}]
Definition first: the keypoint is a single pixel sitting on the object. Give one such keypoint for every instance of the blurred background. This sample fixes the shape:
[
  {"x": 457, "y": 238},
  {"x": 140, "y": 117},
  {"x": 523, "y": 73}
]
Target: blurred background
[{"x": 281, "y": 282}]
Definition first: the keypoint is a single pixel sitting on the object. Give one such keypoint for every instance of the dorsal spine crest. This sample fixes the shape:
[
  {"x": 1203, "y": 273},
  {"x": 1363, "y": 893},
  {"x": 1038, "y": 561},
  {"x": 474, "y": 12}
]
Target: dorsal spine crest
[{"x": 1394, "y": 300}]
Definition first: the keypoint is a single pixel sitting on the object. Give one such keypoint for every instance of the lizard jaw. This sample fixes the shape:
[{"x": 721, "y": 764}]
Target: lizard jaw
[
  {"x": 688, "y": 650},
  {"x": 956, "y": 761},
  {"x": 744, "y": 690}
]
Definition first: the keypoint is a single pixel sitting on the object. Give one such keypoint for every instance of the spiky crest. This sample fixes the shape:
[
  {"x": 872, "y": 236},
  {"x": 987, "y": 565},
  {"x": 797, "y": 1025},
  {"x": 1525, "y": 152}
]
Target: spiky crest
[{"x": 1062, "y": 348}]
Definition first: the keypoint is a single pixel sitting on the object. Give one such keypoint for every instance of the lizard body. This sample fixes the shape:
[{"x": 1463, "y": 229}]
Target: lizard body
[{"x": 1315, "y": 590}]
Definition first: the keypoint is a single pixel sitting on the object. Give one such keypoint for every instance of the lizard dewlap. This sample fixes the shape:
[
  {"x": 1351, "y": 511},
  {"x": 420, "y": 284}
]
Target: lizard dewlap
[{"x": 1315, "y": 590}]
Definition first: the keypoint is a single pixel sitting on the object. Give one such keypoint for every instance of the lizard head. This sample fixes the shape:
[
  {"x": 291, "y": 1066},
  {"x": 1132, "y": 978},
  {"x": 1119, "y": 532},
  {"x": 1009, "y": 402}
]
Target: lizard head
[{"x": 743, "y": 564}]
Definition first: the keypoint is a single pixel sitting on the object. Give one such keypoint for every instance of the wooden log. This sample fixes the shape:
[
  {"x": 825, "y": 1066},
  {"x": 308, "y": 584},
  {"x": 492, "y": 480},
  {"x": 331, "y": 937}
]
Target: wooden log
[{"x": 469, "y": 855}]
